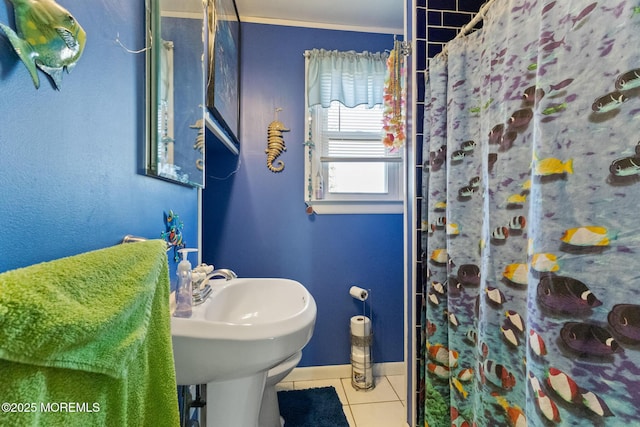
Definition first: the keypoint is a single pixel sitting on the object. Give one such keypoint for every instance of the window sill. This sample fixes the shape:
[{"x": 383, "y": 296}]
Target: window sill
[{"x": 324, "y": 207}]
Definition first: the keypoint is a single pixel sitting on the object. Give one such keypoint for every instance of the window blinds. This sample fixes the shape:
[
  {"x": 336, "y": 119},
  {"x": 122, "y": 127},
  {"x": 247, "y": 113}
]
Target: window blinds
[{"x": 352, "y": 134}]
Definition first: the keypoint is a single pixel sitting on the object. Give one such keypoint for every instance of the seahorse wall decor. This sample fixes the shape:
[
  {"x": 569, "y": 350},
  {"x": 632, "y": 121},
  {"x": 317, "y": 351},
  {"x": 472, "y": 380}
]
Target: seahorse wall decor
[
  {"x": 275, "y": 143},
  {"x": 199, "y": 145}
]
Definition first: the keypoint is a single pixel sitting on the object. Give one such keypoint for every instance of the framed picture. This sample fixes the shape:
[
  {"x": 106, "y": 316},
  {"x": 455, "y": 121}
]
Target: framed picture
[{"x": 223, "y": 75}]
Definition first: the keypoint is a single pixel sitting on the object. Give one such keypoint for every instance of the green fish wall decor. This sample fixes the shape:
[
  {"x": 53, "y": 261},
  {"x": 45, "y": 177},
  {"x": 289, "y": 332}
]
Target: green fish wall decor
[{"x": 48, "y": 37}]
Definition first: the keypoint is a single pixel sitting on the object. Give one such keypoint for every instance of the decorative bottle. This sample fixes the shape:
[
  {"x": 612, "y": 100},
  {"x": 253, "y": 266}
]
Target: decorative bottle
[
  {"x": 319, "y": 186},
  {"x": 184, "y": 292}
]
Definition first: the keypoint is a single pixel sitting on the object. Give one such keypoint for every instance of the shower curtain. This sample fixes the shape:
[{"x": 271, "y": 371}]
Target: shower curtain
[{"x": 530, "y": 219}]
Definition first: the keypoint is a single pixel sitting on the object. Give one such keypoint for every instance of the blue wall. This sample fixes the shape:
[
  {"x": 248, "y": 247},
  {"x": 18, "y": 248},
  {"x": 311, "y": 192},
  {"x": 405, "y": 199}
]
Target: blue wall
[
  {"x": 69, "y": 159},
  {"x": 254, "y": 221}
]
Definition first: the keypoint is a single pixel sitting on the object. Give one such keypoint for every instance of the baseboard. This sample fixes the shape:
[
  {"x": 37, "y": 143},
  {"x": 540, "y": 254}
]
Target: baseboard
[{"x": 327, "y": 372}]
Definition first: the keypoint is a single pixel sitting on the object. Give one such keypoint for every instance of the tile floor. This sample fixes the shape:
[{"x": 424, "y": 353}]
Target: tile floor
[{"x": 384, "y": 406}]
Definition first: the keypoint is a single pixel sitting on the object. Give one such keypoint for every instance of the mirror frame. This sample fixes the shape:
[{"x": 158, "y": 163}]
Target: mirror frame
[
  {"x": 152, "y": 64},
  {"x": 220, "y": 101}
]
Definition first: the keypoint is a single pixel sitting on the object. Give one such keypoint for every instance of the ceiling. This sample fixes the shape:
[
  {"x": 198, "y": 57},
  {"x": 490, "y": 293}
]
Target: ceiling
[
  {"x": 383, "y": 16},
  {"x": 377, "y": 16}
]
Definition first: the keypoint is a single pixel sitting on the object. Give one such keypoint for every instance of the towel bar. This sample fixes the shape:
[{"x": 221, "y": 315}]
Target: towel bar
[{"x": 130, "y": 238}]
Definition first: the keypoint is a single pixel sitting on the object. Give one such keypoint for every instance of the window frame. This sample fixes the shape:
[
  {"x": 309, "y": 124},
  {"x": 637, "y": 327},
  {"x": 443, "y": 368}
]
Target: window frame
[{"x": 348, "y": 203}]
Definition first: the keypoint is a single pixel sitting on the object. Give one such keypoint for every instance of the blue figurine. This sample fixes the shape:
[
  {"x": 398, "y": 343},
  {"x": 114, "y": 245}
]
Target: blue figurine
[{"x": 173, "y": 233}]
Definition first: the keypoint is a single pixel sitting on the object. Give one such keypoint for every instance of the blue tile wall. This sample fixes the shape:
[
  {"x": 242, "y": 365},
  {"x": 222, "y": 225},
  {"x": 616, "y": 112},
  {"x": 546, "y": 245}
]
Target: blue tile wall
[
  {"x": 434, "y": 48},
  {"x": 421, "y": 60},
  {"x": 421, "y": 26},
  {"x": 441, "y": 34},
  {"x": 443, "y": 4},
  {"x": 455, "y": 19},
  {"x": 437, "y": 22},
  {"x": 420, "y": 87},
  {"x": 434, "y": 18},
  {"x": 472, "y": 6}
]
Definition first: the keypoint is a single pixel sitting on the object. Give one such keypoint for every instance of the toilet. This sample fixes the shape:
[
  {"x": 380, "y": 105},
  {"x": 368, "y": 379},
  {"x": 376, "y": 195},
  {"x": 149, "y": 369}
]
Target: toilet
[{"x": 269, "y": 409}]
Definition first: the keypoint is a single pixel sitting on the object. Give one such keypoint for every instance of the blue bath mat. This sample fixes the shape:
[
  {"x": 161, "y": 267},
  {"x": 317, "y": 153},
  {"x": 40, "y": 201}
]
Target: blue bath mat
[{"x": 313, "y": 407}]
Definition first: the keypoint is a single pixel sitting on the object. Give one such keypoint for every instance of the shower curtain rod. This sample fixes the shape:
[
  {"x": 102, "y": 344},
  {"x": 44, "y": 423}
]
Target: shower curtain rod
[{"x": 467, "y": 28}]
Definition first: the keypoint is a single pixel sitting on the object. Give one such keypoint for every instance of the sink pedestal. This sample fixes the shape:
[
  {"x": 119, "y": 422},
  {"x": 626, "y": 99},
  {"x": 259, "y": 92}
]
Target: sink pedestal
[
  {"x": 244, "y": 328},
  {"x": 235, "y": 402}
]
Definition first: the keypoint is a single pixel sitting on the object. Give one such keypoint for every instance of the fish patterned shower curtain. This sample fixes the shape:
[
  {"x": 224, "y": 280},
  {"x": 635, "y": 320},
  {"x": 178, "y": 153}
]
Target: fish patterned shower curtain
[{"x": 531, "y": 219}]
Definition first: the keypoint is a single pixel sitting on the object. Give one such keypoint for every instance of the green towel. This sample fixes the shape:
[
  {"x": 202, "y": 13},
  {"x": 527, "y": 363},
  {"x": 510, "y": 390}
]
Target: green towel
[{"x": 86, "y": 340}]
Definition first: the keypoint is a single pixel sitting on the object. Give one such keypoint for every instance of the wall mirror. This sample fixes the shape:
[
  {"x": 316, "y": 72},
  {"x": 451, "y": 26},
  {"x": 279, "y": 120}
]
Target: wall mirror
[
  {"x": 223, "y": 74},
  {"x": 176, "y": 37}
]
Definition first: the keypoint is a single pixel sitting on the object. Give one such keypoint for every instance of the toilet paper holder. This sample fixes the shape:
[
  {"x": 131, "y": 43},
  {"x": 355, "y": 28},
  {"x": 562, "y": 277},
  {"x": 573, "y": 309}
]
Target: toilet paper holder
[{"x": 361, "y": 342}]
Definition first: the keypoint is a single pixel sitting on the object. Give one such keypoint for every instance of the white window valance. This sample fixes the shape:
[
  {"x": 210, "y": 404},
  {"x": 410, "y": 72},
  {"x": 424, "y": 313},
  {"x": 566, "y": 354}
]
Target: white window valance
[{"x": 349, "y": 77}]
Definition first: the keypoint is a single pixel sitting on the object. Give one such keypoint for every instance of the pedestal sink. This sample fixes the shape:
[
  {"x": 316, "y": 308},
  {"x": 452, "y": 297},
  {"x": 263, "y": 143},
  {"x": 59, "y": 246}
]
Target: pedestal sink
[{"x": 246, "y": 327}]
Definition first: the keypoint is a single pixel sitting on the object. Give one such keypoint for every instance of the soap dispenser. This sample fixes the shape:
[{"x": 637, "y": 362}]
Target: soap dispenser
[{"x": 184, "y": 293}]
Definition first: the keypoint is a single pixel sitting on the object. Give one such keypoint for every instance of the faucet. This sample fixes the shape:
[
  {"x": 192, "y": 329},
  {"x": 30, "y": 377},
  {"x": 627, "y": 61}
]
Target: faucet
[
  {"x": 200, "y": 295},
  {"x": 224, "y": 273}
]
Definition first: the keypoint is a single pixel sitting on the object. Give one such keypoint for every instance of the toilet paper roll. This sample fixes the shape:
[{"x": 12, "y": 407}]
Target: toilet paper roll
[
  {"x": 359, "y": 293},
  {"x": 357, "y": 353},
  {"x": 360, "y": 326},
  {"x": 361, "y": 357}
]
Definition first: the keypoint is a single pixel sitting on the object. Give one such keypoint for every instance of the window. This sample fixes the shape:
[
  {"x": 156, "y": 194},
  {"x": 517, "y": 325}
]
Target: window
[{"x": 348, "y": 168}]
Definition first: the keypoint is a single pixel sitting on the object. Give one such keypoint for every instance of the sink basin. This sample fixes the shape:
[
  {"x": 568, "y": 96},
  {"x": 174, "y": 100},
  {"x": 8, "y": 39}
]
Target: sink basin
[{"x": 246, "y": 327}]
